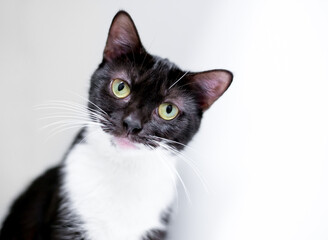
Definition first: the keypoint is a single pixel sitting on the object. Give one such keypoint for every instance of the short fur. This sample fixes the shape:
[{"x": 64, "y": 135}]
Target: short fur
[{"x": 117, "y": 181}]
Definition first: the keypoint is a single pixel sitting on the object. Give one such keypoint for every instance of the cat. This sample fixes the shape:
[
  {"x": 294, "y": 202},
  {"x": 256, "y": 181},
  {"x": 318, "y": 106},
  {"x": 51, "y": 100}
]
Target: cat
[{"x": 115, "y": 181}]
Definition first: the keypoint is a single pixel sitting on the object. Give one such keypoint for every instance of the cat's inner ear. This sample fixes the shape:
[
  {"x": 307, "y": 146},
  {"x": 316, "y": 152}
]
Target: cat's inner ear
[
  {"x": 122, "y": 38},
  {"x": 210, "y": 85}
]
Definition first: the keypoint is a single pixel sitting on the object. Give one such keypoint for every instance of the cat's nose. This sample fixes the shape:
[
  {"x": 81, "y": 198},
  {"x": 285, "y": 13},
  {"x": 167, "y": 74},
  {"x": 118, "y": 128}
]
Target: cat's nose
[{"x": 132, "y": 124}]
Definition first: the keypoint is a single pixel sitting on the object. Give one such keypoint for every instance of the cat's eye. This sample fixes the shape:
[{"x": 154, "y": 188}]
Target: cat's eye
[
  {"x": 168, "y": 111},
  {"x": 120, "y": 88}
]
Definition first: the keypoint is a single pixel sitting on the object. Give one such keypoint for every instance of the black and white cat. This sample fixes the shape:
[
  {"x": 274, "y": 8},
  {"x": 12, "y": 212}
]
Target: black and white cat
[{"x": 115, "y": 182}]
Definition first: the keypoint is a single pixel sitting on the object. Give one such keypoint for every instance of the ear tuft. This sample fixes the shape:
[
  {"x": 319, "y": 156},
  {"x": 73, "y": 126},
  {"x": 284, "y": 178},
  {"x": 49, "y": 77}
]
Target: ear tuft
[
  {"x": 122, "y": 38},
  {"x": 210, "y": 85}
]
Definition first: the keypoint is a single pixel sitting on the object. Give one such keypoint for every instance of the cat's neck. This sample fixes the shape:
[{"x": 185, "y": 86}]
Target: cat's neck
[{"x": 114, "y": 189}]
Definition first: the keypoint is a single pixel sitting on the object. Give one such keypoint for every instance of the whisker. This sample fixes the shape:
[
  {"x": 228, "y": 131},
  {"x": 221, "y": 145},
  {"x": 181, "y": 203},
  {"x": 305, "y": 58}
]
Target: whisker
[
  {"x": 175, "y": 142},
  {"x": 70, "y": 122},
  {"x": 61, "y": 130},
  {"x": 166, "y": 165},
  {"x": 178, "y": 79},
  {"x": 188, "y": 161},
  {"x": 72, "y": 115},
  {"x": 172, "y": 141},
  {"x": 173, "y": 179},
  {"x": 88, "y": 135},
  {"x": 67, "y": 106},
  {"x": 54, "y": 116},
  {"x": 81, "y": 110},
  {"x": 88, "y": 100},
  {"x": 142, "y": 63},
  {"x": 181, "y": 181},
  {"x": 64, "y": 116},
  {"x": 191, "y": 164}
]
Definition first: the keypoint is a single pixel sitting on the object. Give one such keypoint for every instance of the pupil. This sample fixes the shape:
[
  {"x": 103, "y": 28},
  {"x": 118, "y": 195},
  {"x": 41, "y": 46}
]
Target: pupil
[
  {"x": 169, "y": 109},
  {"x": 120, "y": 86}
]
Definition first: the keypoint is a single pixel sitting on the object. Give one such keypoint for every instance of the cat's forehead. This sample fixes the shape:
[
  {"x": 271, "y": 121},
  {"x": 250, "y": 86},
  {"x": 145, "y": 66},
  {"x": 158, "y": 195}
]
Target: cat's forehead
[
  {"x": 163, "y": 62},
  {"x": 155, "y": 69},
  {"x": 149, "y": 70}
]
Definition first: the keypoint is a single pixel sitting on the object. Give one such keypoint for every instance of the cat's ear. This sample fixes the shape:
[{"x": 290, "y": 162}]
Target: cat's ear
[
  {"x": 210, "y": 85},
  {"x": 122, "y": 38}
]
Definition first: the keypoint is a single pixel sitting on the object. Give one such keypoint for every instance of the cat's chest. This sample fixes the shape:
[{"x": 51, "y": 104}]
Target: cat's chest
[{"x": 118, "y": 196}]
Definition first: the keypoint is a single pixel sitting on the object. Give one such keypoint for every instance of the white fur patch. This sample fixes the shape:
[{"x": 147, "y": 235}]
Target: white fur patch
[{"x": 119, "y": 194}]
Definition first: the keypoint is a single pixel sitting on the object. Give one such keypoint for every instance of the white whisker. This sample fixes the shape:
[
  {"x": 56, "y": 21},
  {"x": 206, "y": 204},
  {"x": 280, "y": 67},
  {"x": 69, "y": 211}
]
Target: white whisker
[
  {"x": 75, "y": 117},
  {"x": 178, "y": 79},
  {"x": 52, "y": 134},
  {"x": 86, "y": 99},
  {"x": 76, "y": 108},
  {"x": 70, "y": 122},
  {"x": 193, "y": 167},
  {"x": 181, "y": 181},
  {"x": 71, "y": 115},
  {"x": 90, "y": 133},
  {"x": 173, "y": 179},
  {"x": 186, "y": 160},
  {"x": 171, "y": 141}
]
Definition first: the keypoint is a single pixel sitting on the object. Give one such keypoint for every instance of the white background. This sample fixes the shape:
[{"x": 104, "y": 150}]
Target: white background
[{"x": 263, "y": 147}]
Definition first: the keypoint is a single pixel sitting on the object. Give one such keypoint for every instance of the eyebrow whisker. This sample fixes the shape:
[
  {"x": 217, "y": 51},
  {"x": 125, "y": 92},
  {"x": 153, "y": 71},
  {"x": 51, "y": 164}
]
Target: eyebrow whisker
[{"x": 178, "y": 79}]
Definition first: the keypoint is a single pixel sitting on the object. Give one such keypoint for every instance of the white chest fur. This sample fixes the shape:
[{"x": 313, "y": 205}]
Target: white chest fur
[{"x": 119, "y": 194}]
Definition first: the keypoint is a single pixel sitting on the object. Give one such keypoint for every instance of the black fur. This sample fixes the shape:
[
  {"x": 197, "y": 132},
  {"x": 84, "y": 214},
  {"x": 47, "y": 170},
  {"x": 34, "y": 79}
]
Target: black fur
[
  {"x": 149, "y": 88},
  {"x": 155, "y": 235},
  {"x": 38, "y": 212},
  {"x": 35, "y": 211}
]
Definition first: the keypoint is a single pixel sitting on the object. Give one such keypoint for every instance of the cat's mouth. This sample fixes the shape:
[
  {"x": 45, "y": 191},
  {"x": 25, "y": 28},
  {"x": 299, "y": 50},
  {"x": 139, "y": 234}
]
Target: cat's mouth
[
  {"x": 131, "y": 142},
  {"x": 125, "y": 143}
]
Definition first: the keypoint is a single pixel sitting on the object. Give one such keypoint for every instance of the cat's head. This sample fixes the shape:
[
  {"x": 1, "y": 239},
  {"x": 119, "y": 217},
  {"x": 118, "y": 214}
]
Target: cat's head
[{"x": 144, "y": 99}]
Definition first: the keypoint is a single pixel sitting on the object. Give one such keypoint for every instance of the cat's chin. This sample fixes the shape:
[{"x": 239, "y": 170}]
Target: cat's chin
[{"x": 125, "y": 143}]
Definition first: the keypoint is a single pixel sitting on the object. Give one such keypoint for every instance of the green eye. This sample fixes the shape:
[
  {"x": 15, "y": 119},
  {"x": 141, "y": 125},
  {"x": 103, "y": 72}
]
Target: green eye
[
  {"x": 120, "y": 88},
  {"x": 168, "y": 111}
]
